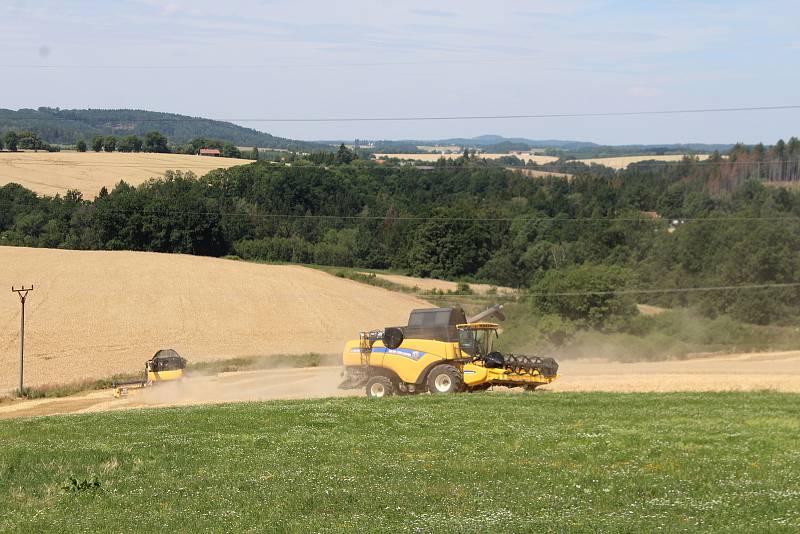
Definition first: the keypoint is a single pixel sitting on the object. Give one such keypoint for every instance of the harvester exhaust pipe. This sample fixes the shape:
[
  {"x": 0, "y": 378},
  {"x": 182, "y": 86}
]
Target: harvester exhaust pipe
[{"x": 496, "y": 310}]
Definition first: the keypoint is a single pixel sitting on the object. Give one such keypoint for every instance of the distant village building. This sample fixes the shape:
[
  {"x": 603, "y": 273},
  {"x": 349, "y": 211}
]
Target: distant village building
[{"x": 209, "y": 152}]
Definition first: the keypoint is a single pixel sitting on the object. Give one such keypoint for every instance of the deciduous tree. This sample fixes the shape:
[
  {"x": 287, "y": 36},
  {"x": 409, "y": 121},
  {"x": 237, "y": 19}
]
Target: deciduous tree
[
  {"x": 11, "y": 141},
  {"x": 110, "y": 143}
]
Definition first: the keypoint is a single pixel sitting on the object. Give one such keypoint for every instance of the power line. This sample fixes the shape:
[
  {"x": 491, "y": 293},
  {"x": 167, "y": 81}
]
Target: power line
[
  {"x": 288, "y": 64},
  {"x": 501, "y": 293},
  {"x": 441, "y": 117}
]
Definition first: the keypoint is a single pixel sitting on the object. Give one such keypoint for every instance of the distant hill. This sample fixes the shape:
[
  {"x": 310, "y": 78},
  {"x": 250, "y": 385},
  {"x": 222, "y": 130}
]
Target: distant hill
[
  {"x": 66, "y": 126},
  {"x": 498, "y": 143}
]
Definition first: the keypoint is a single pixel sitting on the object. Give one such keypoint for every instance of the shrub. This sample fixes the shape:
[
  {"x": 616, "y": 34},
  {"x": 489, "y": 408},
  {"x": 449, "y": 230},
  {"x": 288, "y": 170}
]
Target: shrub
[{"x": 586, "y": 295}]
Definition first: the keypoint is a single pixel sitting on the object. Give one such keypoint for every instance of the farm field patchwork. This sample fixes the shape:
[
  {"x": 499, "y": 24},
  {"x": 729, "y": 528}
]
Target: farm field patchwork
[
  {"x": 620, "y": 162},
  {"x": 693, "y": 462},
  {"x": 538, "y": 158},
  {"x": 51, "y": 173}
]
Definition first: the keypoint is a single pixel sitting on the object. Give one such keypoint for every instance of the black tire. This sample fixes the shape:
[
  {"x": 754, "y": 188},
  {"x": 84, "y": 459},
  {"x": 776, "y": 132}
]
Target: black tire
[
  {"x": 379, "y": 386},
  {"x": 445, "y": 379}
]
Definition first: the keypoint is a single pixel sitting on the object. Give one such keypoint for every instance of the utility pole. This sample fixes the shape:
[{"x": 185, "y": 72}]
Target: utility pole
[{"x": 23, "y": 295}]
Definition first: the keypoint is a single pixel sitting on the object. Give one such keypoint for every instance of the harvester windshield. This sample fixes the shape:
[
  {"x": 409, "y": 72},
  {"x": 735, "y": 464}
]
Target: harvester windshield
[{"x": 476, "y": 339}]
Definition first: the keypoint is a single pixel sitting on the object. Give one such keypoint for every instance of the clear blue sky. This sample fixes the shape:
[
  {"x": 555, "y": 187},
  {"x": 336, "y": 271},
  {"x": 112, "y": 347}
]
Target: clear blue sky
[{"x": 378, "y": 58}]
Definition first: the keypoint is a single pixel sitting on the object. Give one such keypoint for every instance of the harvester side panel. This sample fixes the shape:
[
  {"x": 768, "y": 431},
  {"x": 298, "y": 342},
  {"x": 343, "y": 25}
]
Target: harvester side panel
[{"x": 409, "y": 361}]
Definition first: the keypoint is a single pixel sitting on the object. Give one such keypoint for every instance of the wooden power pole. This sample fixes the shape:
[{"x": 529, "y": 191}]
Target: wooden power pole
[{"x": 23, "y": 295}]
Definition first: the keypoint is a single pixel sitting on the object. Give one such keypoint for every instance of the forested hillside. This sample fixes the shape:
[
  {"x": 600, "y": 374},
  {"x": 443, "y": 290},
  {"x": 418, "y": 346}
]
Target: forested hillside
[
  {"x": 68, "y": 126},
  {"x": 545, "y": 235}
]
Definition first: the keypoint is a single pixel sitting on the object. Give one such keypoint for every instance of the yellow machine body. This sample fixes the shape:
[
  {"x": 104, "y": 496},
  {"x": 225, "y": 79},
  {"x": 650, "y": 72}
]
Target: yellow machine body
[
  {"x": 164, "y": 366},
  {"x": 163, "y": 376},
  {"x": 410, "y": 362}
]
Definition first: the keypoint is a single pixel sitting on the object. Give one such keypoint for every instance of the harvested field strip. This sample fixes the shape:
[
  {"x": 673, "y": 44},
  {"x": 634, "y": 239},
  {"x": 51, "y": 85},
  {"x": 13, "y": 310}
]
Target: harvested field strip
[
  {"x": 533, "y": 173},
  {"x": 431, "y": 284},
  {"x": 472, "y": 463}
]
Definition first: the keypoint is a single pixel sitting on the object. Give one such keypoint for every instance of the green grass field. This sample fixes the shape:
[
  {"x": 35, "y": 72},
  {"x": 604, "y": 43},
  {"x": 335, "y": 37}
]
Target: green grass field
[{"x": 468, "y": 463}]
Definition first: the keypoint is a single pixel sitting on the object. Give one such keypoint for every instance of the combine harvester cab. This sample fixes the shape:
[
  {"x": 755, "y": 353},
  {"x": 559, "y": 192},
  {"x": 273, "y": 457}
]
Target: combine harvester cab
[
  {"x": 164, "y": 366},
  {"x": 439, "y": 351}
]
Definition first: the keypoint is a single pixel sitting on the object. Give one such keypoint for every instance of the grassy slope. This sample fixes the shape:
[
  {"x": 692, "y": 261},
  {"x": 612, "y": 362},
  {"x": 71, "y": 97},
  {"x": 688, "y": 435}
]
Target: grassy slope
[
  {"x": 674, "y": 334},
  {"x": 469, "y": 463}
]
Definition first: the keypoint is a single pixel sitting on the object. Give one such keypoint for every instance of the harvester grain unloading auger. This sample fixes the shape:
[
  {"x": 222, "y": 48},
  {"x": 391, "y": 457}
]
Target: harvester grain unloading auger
[{"x": 440, "y": 351}]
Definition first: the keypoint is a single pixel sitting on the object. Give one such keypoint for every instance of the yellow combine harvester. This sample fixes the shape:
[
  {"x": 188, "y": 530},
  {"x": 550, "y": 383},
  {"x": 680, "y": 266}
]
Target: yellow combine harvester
[
  {"x": 439, "y": 351},
  {"x": 164, "y": 366}
]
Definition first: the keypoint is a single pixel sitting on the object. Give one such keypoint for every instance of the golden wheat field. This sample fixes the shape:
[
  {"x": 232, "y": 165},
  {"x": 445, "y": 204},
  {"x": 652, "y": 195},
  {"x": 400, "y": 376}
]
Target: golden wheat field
[
  {"x": 93, "y": 314},
  {"x": 533, "y": 173},
  {"x": 614, "y": 163},
  {"x": 624, "y": 161},
  {"x": 49, "y": 173},
  {"x": 435, "y": 157}
]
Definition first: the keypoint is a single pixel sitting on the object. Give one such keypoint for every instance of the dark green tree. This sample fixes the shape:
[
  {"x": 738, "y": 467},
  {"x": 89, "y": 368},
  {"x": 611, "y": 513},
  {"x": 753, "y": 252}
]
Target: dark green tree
[
  {"x": 254, "y": 154},
  {"x": 130, "y": 143},
  {"x": 586, "y": 294},
  {"x": 11, "y": 141},
  {"x": 344, "y": 155},
  {"x": 80, "y": 146},
  {"x": 30, "y": 141},
  {"x": 230, "y": 151},
  {"x": 97, "y": 143},
  {"x": 155, "y": 142},
  {"x": 110, "y": 143}
]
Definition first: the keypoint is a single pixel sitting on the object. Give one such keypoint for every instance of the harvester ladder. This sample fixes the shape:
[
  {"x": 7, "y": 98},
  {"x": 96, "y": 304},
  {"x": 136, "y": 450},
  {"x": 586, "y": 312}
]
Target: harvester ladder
[{"x": 366, "y": 349}]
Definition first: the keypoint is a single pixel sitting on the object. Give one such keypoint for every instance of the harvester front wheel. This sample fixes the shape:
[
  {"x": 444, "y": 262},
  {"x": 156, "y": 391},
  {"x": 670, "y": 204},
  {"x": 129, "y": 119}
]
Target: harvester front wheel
[
  {"x": 445, "y": 379},
  {"x": 379, "y": 386}
]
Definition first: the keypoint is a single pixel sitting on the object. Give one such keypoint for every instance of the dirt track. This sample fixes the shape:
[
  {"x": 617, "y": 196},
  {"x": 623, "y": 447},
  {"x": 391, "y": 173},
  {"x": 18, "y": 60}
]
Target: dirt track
[
  {"x": 428, "y": 284},
  {"x": 779, "y": 371}
]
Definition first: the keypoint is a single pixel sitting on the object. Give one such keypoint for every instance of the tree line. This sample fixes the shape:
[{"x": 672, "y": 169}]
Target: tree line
[
  {"x": 645, "y": 227},
  {"x": 67, "y": 126},
  {"x": 24, "y": 140},
  {"x": 153, "y": 141}
]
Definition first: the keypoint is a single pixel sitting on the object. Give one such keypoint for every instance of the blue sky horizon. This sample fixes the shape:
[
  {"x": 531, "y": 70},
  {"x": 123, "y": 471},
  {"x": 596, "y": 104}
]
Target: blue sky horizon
[{"x": 280, "y": 59}]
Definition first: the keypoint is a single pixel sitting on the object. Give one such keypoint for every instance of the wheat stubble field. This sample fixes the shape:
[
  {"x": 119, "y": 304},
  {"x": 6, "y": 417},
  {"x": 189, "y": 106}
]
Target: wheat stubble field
[
  {"x": 622, "y": 162},
  {"x": 94, "y": 314},
  {"x": 51, "y": 173}
]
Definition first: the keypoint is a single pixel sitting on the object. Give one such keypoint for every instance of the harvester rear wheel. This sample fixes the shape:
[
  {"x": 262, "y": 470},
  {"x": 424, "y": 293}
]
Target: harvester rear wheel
[
  {"x": 379, "y": 386},
  {"x": 445, "y": 379}
]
